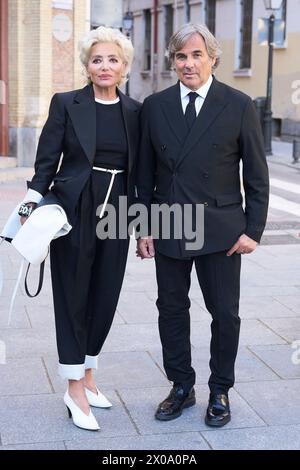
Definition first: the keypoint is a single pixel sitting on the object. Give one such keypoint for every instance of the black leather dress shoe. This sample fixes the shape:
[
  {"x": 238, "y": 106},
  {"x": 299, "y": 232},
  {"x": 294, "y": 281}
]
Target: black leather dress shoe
[
  {"x": 173, "y": 405},
  {"x": 218, "y": 411}
]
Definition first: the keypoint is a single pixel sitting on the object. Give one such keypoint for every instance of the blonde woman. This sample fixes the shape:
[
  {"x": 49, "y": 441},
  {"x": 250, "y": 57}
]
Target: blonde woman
[{"x": 96, "y": 129}]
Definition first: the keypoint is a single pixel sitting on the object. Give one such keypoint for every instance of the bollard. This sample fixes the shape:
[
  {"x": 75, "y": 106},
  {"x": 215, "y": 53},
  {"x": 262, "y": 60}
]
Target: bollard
[
  {"x": 296, "y": 151},
  {"x": 260, "y": 104}
]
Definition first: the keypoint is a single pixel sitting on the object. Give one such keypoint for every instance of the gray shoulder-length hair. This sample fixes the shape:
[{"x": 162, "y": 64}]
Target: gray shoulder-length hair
[
  {"x": 184, "y": 33},
  {"x": 104, "y": 34}
]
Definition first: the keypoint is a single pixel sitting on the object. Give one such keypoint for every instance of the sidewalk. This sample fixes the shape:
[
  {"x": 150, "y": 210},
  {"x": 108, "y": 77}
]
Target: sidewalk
[
  {"x": 283, "y": 154},
  {"x": 265, "y": 401}
]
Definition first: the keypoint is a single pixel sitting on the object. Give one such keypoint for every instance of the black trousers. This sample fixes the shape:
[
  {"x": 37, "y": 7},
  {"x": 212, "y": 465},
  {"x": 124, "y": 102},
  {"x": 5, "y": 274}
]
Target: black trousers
[
  {"x": 87, "y": 275},
  {"x": 219, "y": 280}
]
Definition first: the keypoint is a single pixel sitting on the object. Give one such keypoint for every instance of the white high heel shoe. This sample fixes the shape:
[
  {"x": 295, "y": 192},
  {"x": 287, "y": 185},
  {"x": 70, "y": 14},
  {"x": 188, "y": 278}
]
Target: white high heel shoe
[
  {"x": 80, "y": 419},
  {"x": 97, "y": 399}
]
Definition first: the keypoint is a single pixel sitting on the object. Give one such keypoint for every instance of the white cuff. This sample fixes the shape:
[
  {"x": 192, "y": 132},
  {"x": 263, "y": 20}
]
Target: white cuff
[
  {"x": 71, "y": 371},
  {"x": 33, "y": 196},
  {"x": 91, "y": 362}
]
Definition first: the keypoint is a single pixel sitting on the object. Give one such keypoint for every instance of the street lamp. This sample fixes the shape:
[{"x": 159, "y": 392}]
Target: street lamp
[
  {"x": 270, "y": 5},
  {"x": 127, "y": 27}
]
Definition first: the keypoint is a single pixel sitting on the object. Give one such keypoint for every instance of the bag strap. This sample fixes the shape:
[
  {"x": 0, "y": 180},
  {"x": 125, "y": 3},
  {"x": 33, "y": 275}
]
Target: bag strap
[{"x": 41, "y": 279}]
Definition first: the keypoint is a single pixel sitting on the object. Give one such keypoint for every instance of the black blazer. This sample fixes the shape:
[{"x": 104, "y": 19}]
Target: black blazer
[
  {"x": 71, "y": 130},
  {"x": 202, "y": 166}
]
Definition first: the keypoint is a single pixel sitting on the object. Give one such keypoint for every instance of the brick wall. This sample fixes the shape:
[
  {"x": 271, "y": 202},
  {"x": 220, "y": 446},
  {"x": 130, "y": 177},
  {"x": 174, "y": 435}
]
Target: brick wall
[
  {"x": 39, "y": 66},
  {"x": 63, "y": 57}
]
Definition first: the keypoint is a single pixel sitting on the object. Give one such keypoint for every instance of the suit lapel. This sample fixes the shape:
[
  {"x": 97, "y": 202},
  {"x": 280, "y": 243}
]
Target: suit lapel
[
  {"x": 83, "y": 116},
  {"x": 172, "y": 109},
  {"x": 214, "y": 103},
  {"x": 130, "y": 115}
]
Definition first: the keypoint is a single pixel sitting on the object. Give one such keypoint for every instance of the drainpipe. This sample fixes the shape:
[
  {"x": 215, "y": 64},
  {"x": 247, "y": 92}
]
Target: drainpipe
[
  {"x": 187, "y": 11},
  {"x": 176, "y": 15},
  {"x": 4, "y": 78}
]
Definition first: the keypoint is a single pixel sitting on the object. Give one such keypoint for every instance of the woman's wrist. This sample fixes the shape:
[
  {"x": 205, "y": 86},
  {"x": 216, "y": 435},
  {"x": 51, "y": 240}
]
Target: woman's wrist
[{"x": 26, "y": 208}]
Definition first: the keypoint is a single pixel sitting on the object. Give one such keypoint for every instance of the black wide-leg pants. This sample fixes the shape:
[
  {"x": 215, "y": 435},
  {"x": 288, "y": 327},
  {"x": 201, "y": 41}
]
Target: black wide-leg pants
[
  {"x": 87, "y": 275},
  {"x": 219, "y": 279}
]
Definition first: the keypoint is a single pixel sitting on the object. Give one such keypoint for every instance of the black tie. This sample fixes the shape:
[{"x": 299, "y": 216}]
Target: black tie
[{"x": 190, "y": 112}]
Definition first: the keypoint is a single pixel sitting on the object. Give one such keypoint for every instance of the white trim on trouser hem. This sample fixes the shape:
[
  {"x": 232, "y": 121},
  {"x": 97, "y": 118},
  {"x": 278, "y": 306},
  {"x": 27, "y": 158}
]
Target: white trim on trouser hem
[
  {"x": 91, "y": 362},
  {"x": 71, "y": 371}
]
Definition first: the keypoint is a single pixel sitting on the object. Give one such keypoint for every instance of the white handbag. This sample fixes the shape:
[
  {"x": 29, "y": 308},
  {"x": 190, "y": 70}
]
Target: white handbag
[{"x": 32, "y": 239}]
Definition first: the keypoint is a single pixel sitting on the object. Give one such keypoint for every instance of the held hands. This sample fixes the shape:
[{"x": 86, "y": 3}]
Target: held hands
[
  {"x": 244, "y": 245},
  {"x": 145, "y": 248}
]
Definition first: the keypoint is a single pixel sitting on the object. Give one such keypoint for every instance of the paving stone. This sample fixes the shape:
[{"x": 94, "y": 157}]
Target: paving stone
[
  {"x": 273, "y": 263},
  {"x": 24, "y": 301},
  {"x": 43, "y": 418},
  {"x": 275, "y": 402},
  {"x": 285, "y": 250},
  {"x": 263, "y": 307},
  {"x": 289, "y": 330},
  {"x": 170, "y": 441},
  {"x": 38, "y": 446},
  {"x": 15, "y": 374},
  {"x": 19, "y": 317},
  {"x": 281, "y": 358},
  {"x": 41, "y": 316},
  {"x": 269, "y": 438},
  {"x": 8, "y": 288},
  {"x": 138, "y": 310},
  {"x": 28, "y": 342},
  {"x": 255, "y": 332},
  {"x": 289, "y": 301},
  {"x": 271, "y": 278},
  {"x": 138, "y": 337},
  {"x": 267, "y": 291}
]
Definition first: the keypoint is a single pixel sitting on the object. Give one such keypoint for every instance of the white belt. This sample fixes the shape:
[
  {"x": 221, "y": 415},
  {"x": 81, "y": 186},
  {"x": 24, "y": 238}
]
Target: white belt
[{"x": 113, "y": 174}]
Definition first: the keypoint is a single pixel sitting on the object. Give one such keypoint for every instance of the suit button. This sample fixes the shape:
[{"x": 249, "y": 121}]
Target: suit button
[
  {"x": 215, "y": 146},
  {"x": 205, "y": 204},
  {"x": 163, "y": 148},
  {"x": 205, "y": 175}
]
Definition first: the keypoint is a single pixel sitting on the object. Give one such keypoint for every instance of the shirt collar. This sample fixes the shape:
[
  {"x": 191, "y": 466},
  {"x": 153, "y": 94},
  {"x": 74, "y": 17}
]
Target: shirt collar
[{"x": 202, "y": 91}]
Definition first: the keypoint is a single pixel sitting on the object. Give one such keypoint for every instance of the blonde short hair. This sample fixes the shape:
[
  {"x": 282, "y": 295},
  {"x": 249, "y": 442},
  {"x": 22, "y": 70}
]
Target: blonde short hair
[
  {"x": 188, "y": 30},
  {"x": 104, "y": 34}
]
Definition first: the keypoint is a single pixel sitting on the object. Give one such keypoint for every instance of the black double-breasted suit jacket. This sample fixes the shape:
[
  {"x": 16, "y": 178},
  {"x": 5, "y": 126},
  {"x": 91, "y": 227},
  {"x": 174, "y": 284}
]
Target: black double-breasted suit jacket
[
  {"x": 202, "y": 166},
  {"x": 70, "y": 131}
]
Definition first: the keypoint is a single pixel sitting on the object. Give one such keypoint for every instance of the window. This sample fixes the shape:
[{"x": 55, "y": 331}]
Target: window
[
  {"x": 210, "y": 15},
  {"x": 169, "y": 16},
  {"x": 63, "y": 4},
  {"x": 245, "y": 42},
  {"x": 104, "y": 13},
  {"x": 148, "y": 40},
  {"x": 279, "y": 32}
]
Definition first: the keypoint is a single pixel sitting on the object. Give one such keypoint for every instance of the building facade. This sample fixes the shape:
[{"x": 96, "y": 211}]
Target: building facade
[
  {"x": 39, "y": 56},
  {"x": 238, "y": 26}
]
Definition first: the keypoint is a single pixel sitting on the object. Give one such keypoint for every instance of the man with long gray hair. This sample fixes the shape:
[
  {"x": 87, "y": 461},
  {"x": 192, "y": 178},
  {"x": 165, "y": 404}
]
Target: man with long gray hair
[{"x": 195, "y": 134}]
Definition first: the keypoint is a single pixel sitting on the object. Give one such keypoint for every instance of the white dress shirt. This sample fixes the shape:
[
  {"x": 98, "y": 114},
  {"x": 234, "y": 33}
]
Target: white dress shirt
[{"x": 202, "y": 92}]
